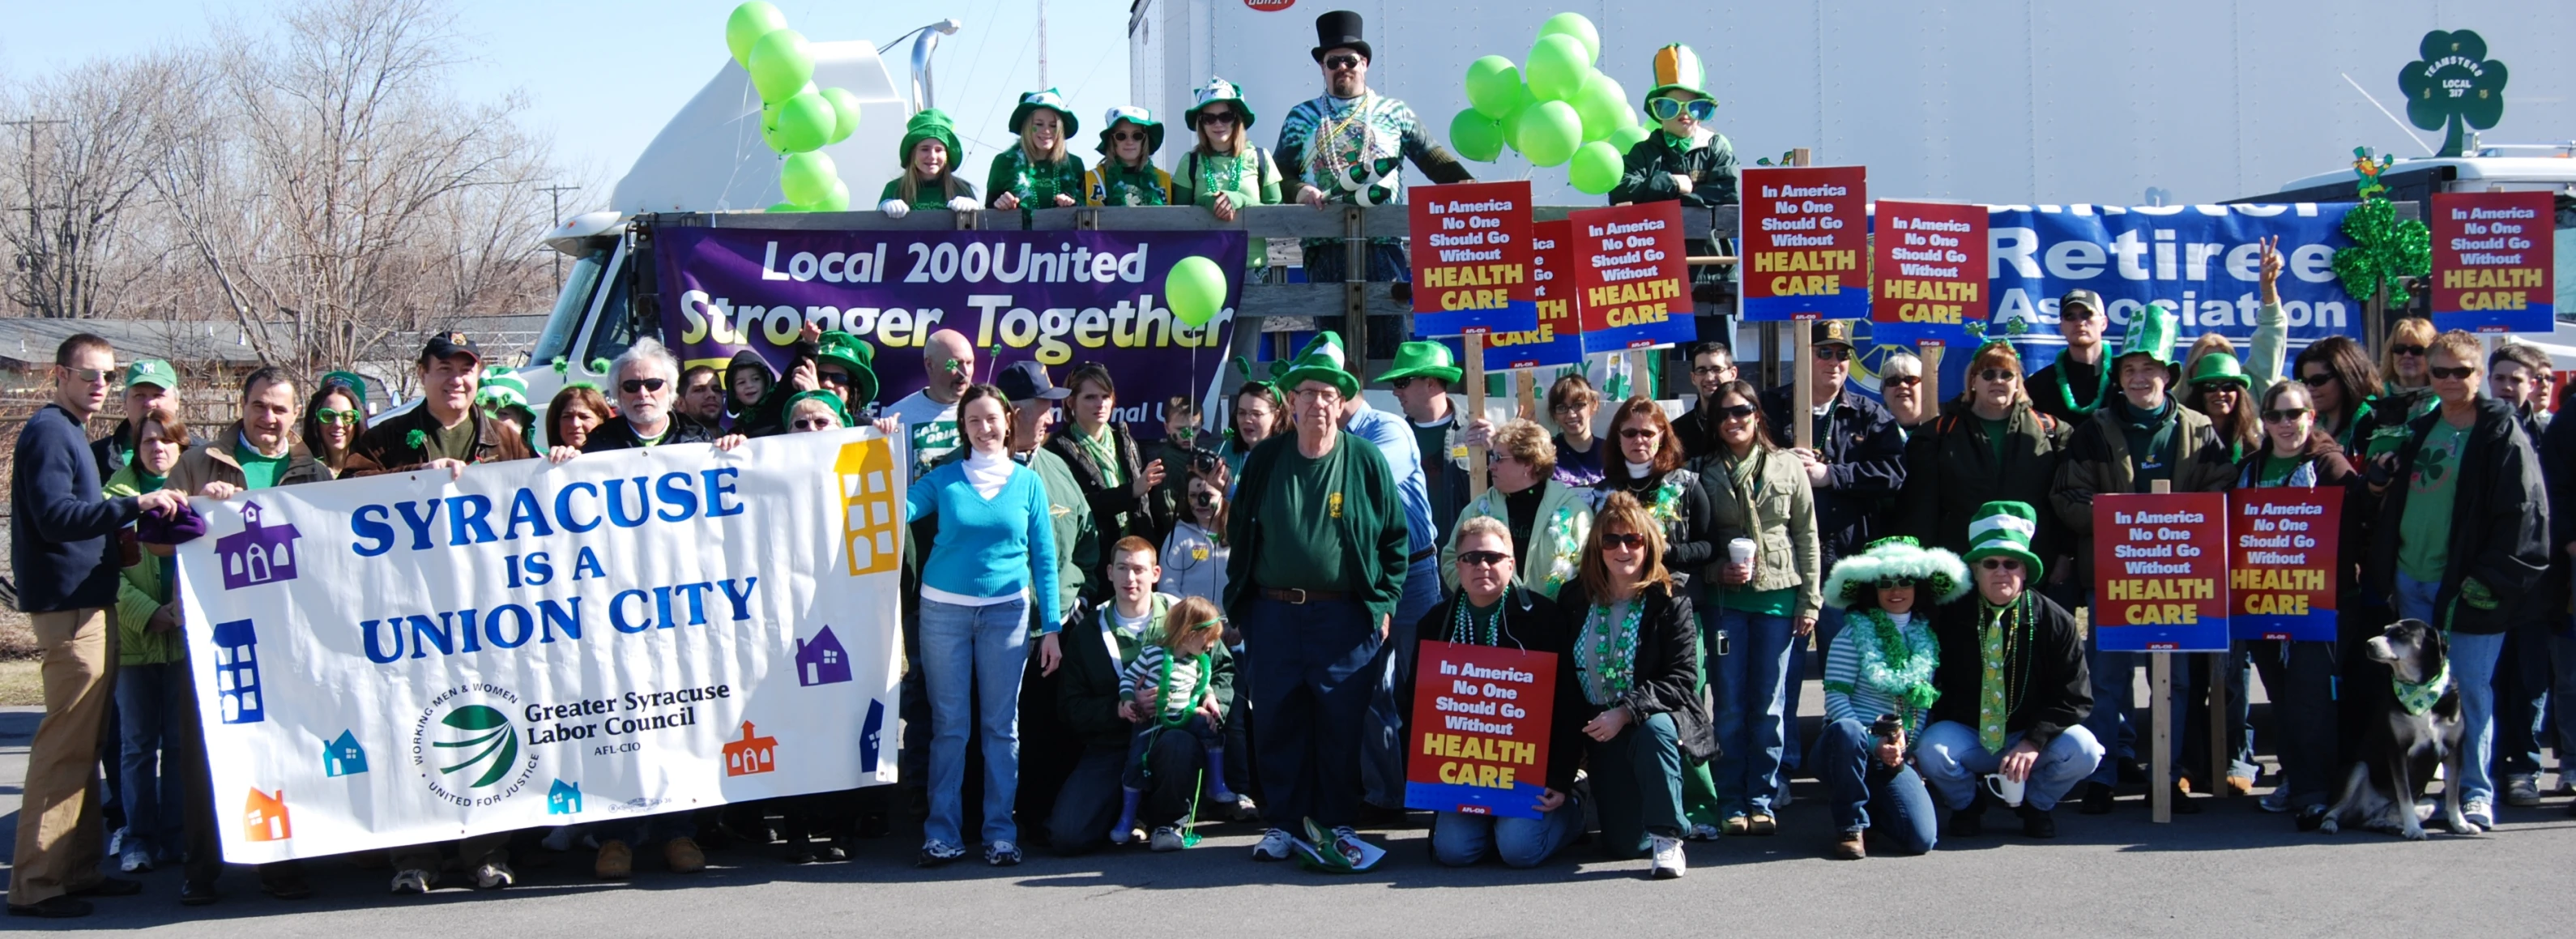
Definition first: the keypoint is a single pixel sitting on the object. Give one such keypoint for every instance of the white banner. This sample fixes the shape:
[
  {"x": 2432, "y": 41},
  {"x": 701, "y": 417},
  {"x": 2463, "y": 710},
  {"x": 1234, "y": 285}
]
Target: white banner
[{"x": 404, "y": 659}]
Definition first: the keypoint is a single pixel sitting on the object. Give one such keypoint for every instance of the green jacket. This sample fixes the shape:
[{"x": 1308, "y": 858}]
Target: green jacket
[
  {"x": 1372, "y": 524},
  {"x": 140, "y": 593},
  {"x": 1652, "y": 164},
  {"x": 1036, "y": 185},
  {"x": 1772, "y": 504},
  {"x": 1549, "y": 561},
  {"x": 1087, "y": 686}
]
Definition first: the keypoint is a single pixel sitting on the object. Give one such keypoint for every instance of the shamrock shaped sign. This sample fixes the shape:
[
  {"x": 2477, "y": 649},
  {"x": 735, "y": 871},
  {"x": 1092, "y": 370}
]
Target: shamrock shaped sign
[{"x": 2452, "y": 86}]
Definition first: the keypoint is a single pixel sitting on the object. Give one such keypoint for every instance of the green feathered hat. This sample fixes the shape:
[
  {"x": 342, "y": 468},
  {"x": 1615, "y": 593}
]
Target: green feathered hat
[
  {"x": 2004, "y": 529},
  {"x": 1937, "y": 571},
  {"x": 2151, "y": 333},
  {"x": 1322, "y": 360}
]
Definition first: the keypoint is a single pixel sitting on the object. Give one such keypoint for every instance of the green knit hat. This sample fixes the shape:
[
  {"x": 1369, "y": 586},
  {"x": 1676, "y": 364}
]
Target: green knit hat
[
  {"x": 502, "y": 387},
  {"x": 2150, "y": 334},
  {"x": 1421, "y": 359},
  {"x": 930, "y": 124},
  {"x": 1321, "y": 360},
  {"x": 1936, "y": 571},
  {"x": 2004, "y": 529},
  {"x": 2220, "y": 366},
  {"x": 1051, "y": 100}
]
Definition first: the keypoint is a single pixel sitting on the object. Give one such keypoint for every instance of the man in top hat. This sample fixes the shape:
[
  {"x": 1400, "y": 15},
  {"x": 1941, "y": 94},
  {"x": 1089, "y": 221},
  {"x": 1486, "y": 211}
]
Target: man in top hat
[
  {"x": 446, "y": 431},
  {"x": 1349, "y": 147},
  {"x": 1423, "y": 374},
  {"x": 149, "y": 383},
  {"x": 2071, "y": 387}
]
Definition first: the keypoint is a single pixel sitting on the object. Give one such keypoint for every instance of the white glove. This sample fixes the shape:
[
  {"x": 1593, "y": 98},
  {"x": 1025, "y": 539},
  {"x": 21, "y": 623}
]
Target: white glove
[
  {"x": 895, "y": 208},
  {"x": 964, "y": 204}
]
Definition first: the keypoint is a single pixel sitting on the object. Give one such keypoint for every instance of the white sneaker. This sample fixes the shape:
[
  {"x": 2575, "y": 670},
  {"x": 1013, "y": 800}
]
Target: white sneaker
[
  {"x": 2480, "y": 813},
  {"x": 1273, "y": 846},
  {"x": 1167, "y": 838},
  {"x": 1669, "y": 860},
  {"x": 2522, "y": 790},
  {"x": 1702, "y": 833},
  {"x": 413, "y": 881},
  {"x": 494, "y": 876},
  {"x": 136, "y": 860}
]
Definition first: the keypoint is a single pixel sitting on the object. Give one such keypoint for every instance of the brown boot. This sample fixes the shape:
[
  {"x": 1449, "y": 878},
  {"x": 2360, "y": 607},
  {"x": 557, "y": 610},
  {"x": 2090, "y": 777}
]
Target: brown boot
[
  {"x": 683, "y": 856},
  {"x": 616, "y": 861},
  {"x": 1851, "y": 847}
]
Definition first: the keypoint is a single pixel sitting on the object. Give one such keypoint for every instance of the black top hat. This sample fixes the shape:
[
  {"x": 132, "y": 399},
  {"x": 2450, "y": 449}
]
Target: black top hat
[
  {"x": 1340, "y": 29},
  {"x": 1028, "y": 381}
]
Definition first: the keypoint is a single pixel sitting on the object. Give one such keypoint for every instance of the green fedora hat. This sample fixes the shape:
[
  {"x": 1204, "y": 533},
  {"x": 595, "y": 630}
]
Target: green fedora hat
[
  {"x": 854, "y": 356},
  {"x": 1051, "y": 100},
  {"x": 1321, "y": 360},
  {"x": 2004, "y": 529},
  {"x": 1422, "y": 359}
]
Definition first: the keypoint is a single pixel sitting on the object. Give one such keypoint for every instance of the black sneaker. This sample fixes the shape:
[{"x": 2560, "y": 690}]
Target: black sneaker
[
  {"x": 875, "y": 825},
  {"x": 2036, "y": 822},
  {"x": 110, "y": 887},
  {"x": 60, "y": 907},
  {"x": 2097, "y": 800},
  {"x": 2133, "y": 772},
  {"x": 1971, "y": 821},
  {"x": 2183, "y": 803},
  {"x": 2311, "y": 818},
  {"x": 937, "y": 853}
]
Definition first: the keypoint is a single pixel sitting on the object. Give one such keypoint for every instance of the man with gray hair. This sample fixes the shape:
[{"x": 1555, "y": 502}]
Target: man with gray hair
[{"x": 646, "y": 382}]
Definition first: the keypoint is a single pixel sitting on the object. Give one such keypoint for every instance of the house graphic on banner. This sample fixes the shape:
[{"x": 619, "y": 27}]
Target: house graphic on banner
[
  {"x": 259, "y": 553},
  {"x": 264, "y": 817},
  {"x": 751, "y": 754},
  {"x": 871, "y": 522},
  {"x": 344, "y": 757},
  {"x": 821, "y": 660},
  {"x": 563, "y": 798},
  {"x": 237, "y": 672},
  {"x": 871, "y": 737}
]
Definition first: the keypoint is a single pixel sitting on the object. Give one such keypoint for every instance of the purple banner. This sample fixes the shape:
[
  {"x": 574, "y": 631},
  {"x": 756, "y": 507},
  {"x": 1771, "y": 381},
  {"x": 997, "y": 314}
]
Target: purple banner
[{"x": 1058, "y": 297}]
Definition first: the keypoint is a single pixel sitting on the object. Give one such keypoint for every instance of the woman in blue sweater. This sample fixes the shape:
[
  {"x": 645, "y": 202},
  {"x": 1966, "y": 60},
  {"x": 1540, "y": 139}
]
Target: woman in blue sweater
[{"x": 993, "y": 556}]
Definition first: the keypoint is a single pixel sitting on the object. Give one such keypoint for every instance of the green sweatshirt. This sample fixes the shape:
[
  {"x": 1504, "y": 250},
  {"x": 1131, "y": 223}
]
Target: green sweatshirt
[
  {"x": 1346, "y": 511},
  {"x": 142, "y": 590},
  {"x": 1037, "y": 185}
]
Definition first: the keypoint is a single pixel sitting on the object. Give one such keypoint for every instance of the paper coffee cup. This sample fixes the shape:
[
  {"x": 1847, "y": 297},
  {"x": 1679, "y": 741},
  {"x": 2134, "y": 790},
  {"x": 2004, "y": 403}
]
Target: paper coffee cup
[{"x": 1740, "y": 550}]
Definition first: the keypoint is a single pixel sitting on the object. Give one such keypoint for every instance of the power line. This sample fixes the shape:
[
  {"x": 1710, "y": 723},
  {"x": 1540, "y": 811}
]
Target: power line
[{"x": 555, "y": 194}]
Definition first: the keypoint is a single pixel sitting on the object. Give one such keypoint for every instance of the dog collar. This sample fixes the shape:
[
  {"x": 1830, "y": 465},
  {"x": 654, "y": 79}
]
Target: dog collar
[{"x": 2418, "y": 697}]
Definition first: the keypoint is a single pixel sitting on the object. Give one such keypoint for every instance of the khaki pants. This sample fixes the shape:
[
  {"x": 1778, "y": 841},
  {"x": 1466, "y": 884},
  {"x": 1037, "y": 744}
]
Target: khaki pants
[{"x": 60, "y": 842}]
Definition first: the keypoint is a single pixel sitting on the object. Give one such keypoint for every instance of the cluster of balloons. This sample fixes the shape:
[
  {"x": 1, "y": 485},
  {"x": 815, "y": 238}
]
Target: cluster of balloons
[
  {"x": 796, "y": 118},
  {"x": 1557, "y": 109}
]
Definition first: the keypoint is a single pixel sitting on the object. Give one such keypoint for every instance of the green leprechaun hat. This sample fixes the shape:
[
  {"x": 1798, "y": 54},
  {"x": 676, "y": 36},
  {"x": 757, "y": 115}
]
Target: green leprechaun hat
[
  {"x": 2221, "y": 366},
  {"x": 1051, "y": 100},
  {"x": 2151, "y": 334},
  {"x": 854, "y": 355},
  {"x": 1140, "y": 117},
  {"x": 1218, "y": 91},
  {"x": 2004, "y": 529},
  {"x": 1677, "y": 68},
  {"x": 1422, "y": 360},
  {"x": 930, "y": 124},
  {"x": 1322, "y": 360},
  {"x": 501, "y": 388},
  {"x": 1939, "y": 572}
]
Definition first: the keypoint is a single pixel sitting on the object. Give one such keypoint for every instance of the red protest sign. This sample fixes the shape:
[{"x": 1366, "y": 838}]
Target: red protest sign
[
  {"x": 1480, "y": 726},
  {"x": 1558, "y": 340},
  {"x": 2281, "y": 561},
  {"x": 1471, "y": 258},
  {"x": 1806, "y": 234},
  {"x": 1632, "y": 276},
  {"x": 2160, "y": 572},
  {"x": 2492, "y": 253},
  {"x": 1930, "y": 261}
]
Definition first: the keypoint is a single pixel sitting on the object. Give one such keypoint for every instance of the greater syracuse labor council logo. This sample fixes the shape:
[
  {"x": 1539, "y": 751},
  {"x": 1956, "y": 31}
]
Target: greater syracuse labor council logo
[{"x": 468, "y": 751}]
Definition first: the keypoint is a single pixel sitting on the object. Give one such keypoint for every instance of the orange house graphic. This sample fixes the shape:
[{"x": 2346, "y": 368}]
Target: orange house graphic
[
  {"x": 871, "y": 510},
  {"x": 751, "y": 754},
  {"x": 264, "y": 817}
]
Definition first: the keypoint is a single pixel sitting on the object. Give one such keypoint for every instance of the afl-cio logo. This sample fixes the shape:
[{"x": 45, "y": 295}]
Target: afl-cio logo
[{"x": 469, "y": 753}]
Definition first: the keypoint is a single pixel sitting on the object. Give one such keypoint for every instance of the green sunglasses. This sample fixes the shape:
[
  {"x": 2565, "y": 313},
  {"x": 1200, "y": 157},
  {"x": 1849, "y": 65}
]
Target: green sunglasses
[
  {"x": 1665, "y": 109},
  {"x": 329, "y": 416}
]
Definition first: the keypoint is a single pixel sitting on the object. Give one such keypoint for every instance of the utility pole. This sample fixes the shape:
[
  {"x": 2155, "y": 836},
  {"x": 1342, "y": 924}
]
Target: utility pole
[
  {"x": 555, "y": 193},
  {"x": 1042, "y": 37},
  {"x": 33, "y": 260}
]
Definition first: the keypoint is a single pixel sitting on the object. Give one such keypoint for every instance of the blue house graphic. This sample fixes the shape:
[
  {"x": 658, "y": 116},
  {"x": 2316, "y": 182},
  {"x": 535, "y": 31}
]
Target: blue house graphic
[
  {"x": 821, "y": 661},
  {"x": 343, "y": 757},
  {"x": 237, "y": 672},
  {"x": 258, "y": 553},
  {"x": 563, "y": 798},
  {"x": 871, "y": 736}
]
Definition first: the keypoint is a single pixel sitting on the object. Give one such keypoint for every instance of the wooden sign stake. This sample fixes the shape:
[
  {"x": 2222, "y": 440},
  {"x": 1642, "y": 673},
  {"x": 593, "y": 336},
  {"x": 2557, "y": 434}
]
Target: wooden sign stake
[
  {"x": 1803, "y": 339},
  {"x": 1475, "y": 344},
  {"x": 2160, "y": 704}
]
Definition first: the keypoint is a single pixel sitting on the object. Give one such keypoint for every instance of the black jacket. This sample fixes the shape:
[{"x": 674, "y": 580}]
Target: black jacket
[
  {"x": 1667, "y": 672},
  {"x": 617, "y": 434},
  {"x": 1536, "y": 624},
  {"x": 2499, "y": 521},
  {"x": 2558, "y": 469},
  {"x": 1689, "y": 544},
  {"x": 1698, "y": 430},
  {"x": 2048, "y": 688},
  {"x": 2048, "y": 391},
  {"x": 1117, "y": 510},
  {"x": 1865, "y": 456},
  {"x": 387, "y": 446},
  {"x": 62, "y": 545},
  {"x": 1649, "y": 167},
  {"x": 1951, "y": 471}
]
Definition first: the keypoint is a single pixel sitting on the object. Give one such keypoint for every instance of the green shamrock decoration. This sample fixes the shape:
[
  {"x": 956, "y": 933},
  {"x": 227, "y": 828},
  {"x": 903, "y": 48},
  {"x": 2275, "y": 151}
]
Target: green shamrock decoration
[
  {"x": 416, "y": 439},
  {"x": 2453, "y": 86},
  {"x": 2384, "y": 251}
]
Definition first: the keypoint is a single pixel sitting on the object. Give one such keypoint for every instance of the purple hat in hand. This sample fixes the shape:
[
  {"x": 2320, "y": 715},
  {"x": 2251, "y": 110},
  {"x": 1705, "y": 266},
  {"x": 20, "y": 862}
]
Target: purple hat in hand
[{"x": 178, "y": 527}]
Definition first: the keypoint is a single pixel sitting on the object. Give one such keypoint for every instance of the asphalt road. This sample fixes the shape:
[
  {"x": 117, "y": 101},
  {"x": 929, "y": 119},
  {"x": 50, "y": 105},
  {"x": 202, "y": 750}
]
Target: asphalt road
[{"x": 2229, "y": 871}]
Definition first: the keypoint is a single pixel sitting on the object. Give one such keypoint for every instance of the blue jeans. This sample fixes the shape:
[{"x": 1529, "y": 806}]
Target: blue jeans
[
  {"x": 1829, "y": 623},
  {"x": 1459, "y": 839},
  {"x": 1311, "y": 681},
  {"x": 2300, "y": 678},
  {"x": 1382, "y": 767},
  {"x": 972, "y": 658},
  {"x": 2473, "y": 667},
  {"x": 1955, "y": 765},
  {"x": 1751, "y": 690},
  {"x": 2237, "y": 669},
  {"x": 146, "y": 702},
  {"x": 1863, "y": 793}
]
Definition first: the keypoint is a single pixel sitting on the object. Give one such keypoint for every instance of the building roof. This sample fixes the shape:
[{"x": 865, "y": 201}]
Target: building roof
[{"x": 31, "y": 340}]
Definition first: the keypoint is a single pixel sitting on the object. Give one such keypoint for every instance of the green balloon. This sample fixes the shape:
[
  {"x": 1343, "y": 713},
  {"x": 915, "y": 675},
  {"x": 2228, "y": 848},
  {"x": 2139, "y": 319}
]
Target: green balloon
[
  {"x": 1475, "y": 136},
  {"x": 1604, "y": 106},
  {"x": 748, "y": 23},
  {"x": 780, "y": 65},
  {"x": 805, "y": 122},
  {"x": 1595, "y": 168},
  {"x": 1627, "y": 138},
  {"x": 1513, "y": 122},
  {"x": 1550, "y": 133},
  {"x": 845, "y": 113},
  {"x": 1494, "y": 86},
  {"x": 1582, "y": 30},
  {"x": 807, "y": 178},
  {"x": 1557, "y": 67},
  {"x": 1196, "y": 290},
  {"x": 838, "y": 200},
  {"x": 785, "y": 207}
]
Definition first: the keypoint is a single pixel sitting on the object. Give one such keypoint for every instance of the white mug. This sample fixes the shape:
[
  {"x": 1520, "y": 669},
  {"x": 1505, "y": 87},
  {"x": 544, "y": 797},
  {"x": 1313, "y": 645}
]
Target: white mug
[
  {"x": 2008, "y": 790},
  {"x": 1740, "y": 550}
]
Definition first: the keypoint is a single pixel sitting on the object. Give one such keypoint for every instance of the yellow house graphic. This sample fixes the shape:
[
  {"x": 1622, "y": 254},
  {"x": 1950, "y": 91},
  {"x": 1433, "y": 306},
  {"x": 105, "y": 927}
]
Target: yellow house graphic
[{"x": 871, "y": 510}]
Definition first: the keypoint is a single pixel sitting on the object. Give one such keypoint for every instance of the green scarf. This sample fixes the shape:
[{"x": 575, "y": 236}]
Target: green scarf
[{"x": 2419, "y": 697}]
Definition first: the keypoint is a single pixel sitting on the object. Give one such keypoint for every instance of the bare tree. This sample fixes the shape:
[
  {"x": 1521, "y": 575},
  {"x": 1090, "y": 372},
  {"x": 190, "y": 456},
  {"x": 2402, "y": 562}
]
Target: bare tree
[{"x": 77, "y": 156}]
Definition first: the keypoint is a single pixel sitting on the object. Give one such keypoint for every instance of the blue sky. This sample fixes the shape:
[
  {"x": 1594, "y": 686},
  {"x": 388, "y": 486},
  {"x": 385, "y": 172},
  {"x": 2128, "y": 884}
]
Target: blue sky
[{"x": 602, "y": 78}]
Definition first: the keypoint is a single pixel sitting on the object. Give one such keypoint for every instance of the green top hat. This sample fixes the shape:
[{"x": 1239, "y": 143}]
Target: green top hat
[
  {"x": 2004, "y": 529},
  {"x": 2220, "y": 366},
  {"x": 1321, "y": 360},
  {"x": 2150, "y": 334},
  {"x": 1133, "y": 115},
  {"x": 1218, "y": 91},
  {"x": 1677, "y": 68},
  {"x": 1422, "y": 360},
  {"x": 151, "y": 372},
  {"x": 847, "y": 351},
  {"x": 930, "y": 124},
  {"x": 1938, "y": 571},
  {"x": 1051, "y": 100},
  {"x": 787, "y": 412}
]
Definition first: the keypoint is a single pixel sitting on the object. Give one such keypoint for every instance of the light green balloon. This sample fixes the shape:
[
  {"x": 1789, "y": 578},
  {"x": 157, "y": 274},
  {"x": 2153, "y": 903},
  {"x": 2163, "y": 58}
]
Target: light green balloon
[
  {"x": 1604, "y": 106},
  {"x": 780, "y": 65},
  {"x": 1494, "y": 86},
  {"x": 1627, "y": 138},
  {"x": 1550, "y": 133},
  {"x": 805, "y": 122},
  {"x": 807, "y": 178},
  {"x": 845, "y": 113},
  {"x": 1557, "y": 68},
  {"x": 785, "y": 207},
  {"x": 1475, "y": 136},
  {"x": 1595, "y": 168},
  {"x": 748, "y": 23},
  {"x": 1573, "y": 24},
  {"x": 1196, "y": 290},
  {"x": 838, "y": 200},
  {"x": 1512, "y": 124}
]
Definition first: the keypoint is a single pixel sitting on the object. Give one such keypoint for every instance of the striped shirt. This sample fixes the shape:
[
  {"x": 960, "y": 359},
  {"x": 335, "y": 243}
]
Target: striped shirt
[{"x": 1847, "y": 696}]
